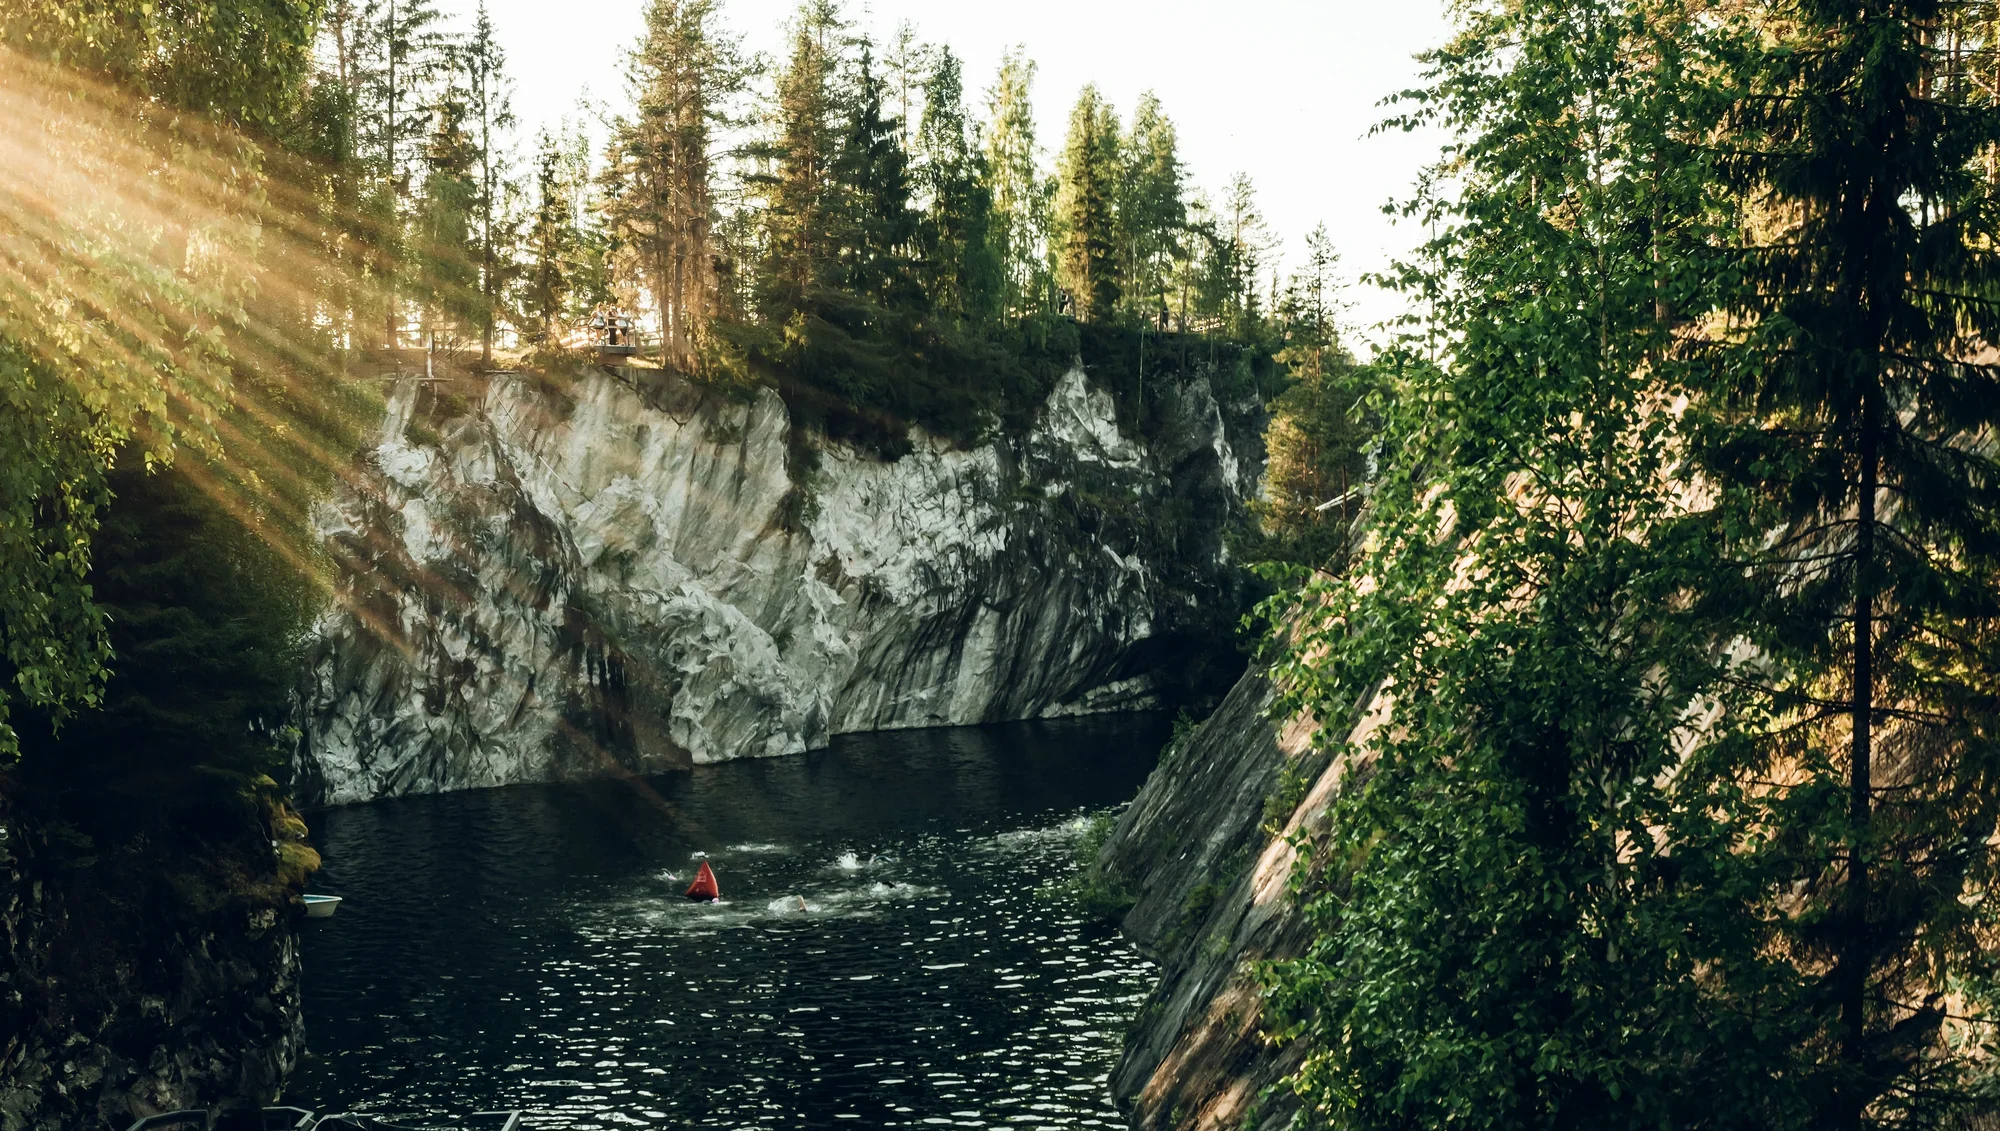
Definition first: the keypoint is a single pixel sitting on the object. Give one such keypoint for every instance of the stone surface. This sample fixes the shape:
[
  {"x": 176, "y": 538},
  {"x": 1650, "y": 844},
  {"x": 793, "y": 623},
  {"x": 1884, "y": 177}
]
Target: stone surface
[
  {"x": 97, "y": 1031},
  {"x": 622, "y": 573},
  {"x": 1208, "y": 859}
]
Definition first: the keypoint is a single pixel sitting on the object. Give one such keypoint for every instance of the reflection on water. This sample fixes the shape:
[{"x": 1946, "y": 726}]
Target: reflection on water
[{"x": 884, "y": 955}]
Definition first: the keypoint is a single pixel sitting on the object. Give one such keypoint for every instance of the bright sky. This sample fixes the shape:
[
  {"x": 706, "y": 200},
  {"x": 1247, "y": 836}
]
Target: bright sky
[{"x": 1285, "y": 90}]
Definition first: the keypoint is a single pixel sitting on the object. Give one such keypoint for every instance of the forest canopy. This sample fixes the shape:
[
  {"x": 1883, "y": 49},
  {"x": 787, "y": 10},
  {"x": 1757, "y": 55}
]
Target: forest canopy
[
  {"x": 1677, "y": 593},
  {"x": 227, "y": 217}
]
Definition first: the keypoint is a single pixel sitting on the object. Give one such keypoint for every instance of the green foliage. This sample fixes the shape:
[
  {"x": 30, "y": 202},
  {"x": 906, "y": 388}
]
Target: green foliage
[
  {"x": 956, "y": 252},
  {"x": 1185, "y": 727},
  {"x": 491, "y": 113},
  {"x": 1099, "y": 897},
  {"x": 127, "y": 268},
  {"x": 1679, "y": 580},
  {"x": 238, "y": 62},
  {"x": 1020, "y": 195},
  {"x": 659, "y": 202},
  {"x": 1152, "y": 211},
  {"x": 1320, "y": 440},
  {"x": 51, "y": 492},
  {"x": 173, "y": 232},
  {"x": 1220, "y": 283},
  {"x": 1848, "y": 424},
  {"x": 549, "y": 280},
  {"x": 205, "y": 618},
  {"x": 1295, "y": 780},
  {"x": 1086, "y": 215},
  {"x": 165, "y": 795},
  {"x": 1540, "y": 898},
  {"x": 445, "y": 226},
  {"x": 565, "y": 274}
]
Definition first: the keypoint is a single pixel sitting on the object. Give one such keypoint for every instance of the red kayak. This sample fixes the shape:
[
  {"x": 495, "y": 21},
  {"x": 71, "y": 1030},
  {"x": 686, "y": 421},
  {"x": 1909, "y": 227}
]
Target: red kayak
[{"x": 704, "y": 886}]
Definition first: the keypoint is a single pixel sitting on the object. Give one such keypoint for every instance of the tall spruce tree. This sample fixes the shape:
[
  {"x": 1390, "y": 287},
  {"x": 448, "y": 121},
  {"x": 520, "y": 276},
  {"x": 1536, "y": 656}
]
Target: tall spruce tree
[
  {"x": 1020, "y": 196},
  {"x": 956, "y": 256},
  {"x": 444, "y": 236},
  {"x": 1316, "y": 463},
  {"x": 491, "y": 110},
  {"x": 875, "y": 228},
  {"x": 683, "y": 75},
  {"x": 797, "y": 182},
  {"x": 549, "y": 278},
  {"x": 1152, "y": 209},
  {"x": 1086, "y": 208},
  {"x": 1850, "y": 420},
  {"x": 402, "y": 52},
  {"x": 1235, "y": 244},
  {"x": 907, "y": 65}
]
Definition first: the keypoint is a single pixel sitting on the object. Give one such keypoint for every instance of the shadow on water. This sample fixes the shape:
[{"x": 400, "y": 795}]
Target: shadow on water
[{"x": 529, "y": 947}]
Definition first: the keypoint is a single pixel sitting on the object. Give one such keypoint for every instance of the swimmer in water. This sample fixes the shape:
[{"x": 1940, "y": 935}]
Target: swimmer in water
[{"x": 802, "y": 904}]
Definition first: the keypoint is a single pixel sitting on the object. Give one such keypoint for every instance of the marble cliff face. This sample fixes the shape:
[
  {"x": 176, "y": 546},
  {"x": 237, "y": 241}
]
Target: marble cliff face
[
  {"x": 622, "y": 572},
  {"x": 1207, "y": 852}
]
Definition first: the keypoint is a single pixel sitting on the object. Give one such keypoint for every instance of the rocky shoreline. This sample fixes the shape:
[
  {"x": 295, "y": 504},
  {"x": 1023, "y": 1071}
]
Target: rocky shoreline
[
  {"x": 99, "y": 1028},
  {"x": 1206, "y": 853}
]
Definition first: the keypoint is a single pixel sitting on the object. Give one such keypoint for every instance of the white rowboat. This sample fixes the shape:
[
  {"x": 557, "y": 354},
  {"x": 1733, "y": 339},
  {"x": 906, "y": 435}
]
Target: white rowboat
[{"x": 321, "y": 906}]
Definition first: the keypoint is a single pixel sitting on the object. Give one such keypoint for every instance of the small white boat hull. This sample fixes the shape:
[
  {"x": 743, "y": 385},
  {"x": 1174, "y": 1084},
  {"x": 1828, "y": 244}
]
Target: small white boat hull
[{"x": 321, "y": 906}]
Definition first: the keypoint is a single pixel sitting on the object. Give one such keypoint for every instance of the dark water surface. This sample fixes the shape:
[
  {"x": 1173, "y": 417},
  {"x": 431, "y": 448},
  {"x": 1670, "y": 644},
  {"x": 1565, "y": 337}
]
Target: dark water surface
[{"x": 529, "y": 947}]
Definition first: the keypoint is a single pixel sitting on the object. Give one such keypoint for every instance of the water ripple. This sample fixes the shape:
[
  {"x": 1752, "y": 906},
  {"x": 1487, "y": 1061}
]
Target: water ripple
[{"x": 530, "y": 947}]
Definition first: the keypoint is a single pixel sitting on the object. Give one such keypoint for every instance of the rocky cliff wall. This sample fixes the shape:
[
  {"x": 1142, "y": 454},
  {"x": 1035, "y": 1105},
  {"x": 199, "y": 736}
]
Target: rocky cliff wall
[
  {"x": 1206, "y": 851},
  {"x": 118, "y": 999},
  {"x": 622, "y": 572}
]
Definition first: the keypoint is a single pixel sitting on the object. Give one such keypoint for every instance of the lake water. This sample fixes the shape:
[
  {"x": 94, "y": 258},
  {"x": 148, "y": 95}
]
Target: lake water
[{"x": 529, "y": 947}]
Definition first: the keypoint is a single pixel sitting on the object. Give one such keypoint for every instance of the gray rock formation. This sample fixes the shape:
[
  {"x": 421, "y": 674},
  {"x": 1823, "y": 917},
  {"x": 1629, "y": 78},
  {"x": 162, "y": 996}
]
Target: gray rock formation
[
  {"x": 100, "y": 1028},
  {"x": 622, "y": 573},
  {"x": 1206, "y": 850}
]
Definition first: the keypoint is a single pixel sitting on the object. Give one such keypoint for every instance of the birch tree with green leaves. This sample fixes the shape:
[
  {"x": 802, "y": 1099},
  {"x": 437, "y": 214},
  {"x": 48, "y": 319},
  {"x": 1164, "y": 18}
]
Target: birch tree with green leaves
[
  {"x": 1543, "y": 896},
  {"x": 1680, "y": 590}
]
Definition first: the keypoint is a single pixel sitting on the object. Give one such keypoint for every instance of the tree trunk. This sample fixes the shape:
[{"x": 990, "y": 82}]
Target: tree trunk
[
  {"x": 486, "y": 287},
  {"x": 1857, "y": 947},
  {"x": 389, "y": 329}
]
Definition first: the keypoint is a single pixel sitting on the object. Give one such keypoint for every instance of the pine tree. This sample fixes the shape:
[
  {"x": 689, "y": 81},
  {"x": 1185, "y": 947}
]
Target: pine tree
[
  {"x": 907, "y": 66},
  {"x": 490, "y": 105},
  {"x": 1316, "y": 465},
  {"x": 1020, "y": 197},
  {"x": 1236, "y": 251},
  {"x": 1852, "y": 404},
  {"x": 1152, "y": 209},
  {"x": 401, "y": 53},
  {"x": 1086, "y": 214},
  {"x": 797, "y": 184},
  {"x": 549, "y": 279},
  {"x": 1310, "y": 310},
  {"x": 874, "y": 227},
  {"x": 445, "y": 237},
  {"x": 960, "y": 268},
  {"x": 683, "y": 74},
  {"x": 326, "y": 136}
]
